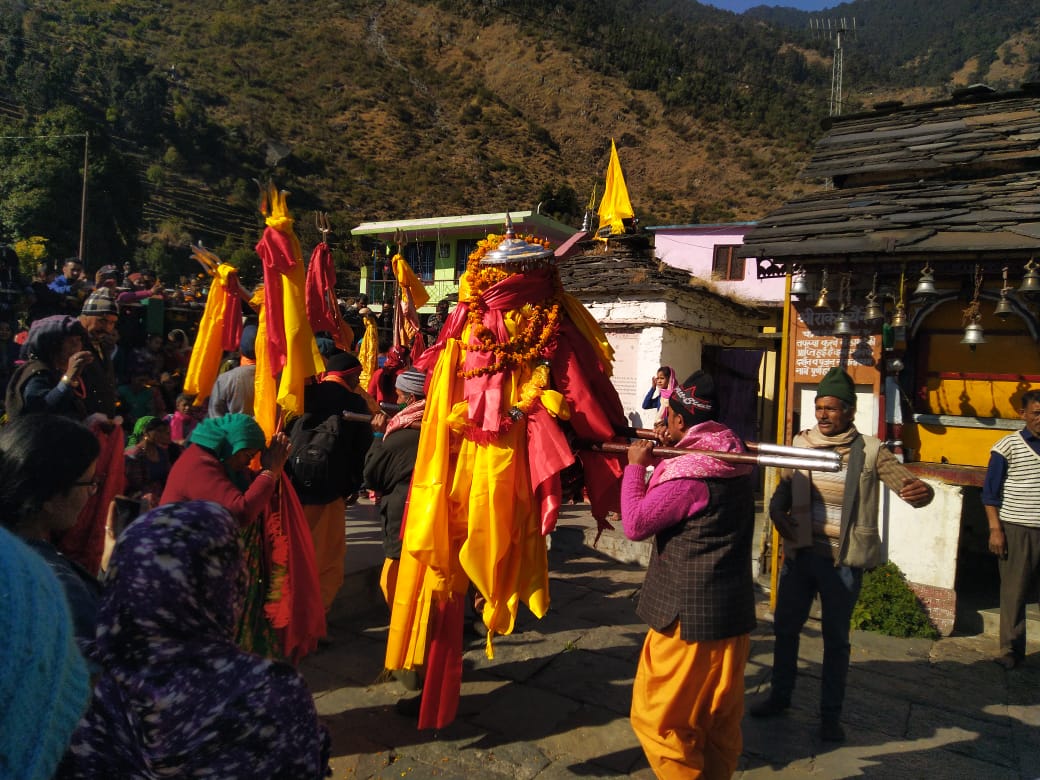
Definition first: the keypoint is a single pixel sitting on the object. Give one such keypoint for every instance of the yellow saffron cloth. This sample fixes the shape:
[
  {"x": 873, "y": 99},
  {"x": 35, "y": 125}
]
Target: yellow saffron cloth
[
  {"x": 368, "y": 351},
  {"x": 265, "y": 390},
  {"x": 302, "y": 359},
  {"x": 205, "y": 356},
  {"x": 413, "y": 297},
  {"x": 615, "y": 205},
  {"x": 590, "y": 329},
  {"x": 471, "y": 516}
]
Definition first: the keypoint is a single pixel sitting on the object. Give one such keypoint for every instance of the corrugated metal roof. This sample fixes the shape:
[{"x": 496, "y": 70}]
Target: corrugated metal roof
[{"x": 543, "y": 225}]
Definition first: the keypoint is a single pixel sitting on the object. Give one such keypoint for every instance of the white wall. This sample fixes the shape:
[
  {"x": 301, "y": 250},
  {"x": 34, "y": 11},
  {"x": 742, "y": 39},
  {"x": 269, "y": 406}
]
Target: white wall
[{"x": 923, "y": 542}]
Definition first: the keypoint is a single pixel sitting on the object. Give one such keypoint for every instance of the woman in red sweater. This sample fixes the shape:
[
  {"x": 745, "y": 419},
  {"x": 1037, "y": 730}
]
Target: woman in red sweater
[{"x": 216, "y": 468}]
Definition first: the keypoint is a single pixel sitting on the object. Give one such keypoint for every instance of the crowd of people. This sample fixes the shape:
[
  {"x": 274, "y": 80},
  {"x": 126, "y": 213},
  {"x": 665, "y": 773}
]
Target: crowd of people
[
  {"x": 137, "y": 569},
  {"x": 146, "y": 514}
]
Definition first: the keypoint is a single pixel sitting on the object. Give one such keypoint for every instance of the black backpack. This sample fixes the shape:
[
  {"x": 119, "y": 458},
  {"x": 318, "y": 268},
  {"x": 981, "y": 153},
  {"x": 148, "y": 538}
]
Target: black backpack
[{"x": 316, "y": 463}]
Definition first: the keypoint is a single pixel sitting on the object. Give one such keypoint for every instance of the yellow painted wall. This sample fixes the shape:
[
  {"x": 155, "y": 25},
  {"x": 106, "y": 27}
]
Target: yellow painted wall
[{"x": 1009, "y": 350}]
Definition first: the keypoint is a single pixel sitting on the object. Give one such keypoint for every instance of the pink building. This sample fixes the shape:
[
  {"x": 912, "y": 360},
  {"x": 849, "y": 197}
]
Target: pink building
[{"x": 709, "y": 253}]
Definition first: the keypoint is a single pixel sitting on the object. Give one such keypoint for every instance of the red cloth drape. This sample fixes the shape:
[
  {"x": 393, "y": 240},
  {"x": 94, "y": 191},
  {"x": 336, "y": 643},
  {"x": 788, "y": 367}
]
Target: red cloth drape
[
  {"x": 231, "y": 336},
  {"x": 596, "y": 410},
  {"x": 440, "y": 696},
  {"x": 84, "y": 543},
  {"x": 294, "y": 607},
  {"x": 322, "y": 310},
  {"x": 276, "y": 251}
]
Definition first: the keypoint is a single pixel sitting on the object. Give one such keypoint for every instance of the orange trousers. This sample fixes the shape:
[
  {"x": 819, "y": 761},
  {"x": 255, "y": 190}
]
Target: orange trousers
[
  {"x": 329, "y": 534},
  {"x": 687, "y": 704}
]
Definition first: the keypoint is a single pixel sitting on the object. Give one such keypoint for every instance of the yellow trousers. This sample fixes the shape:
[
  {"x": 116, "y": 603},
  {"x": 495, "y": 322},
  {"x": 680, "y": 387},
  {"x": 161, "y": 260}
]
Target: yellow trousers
[
  {"x": 687, "y": 704},
  {"x": 326, "y": 522}
]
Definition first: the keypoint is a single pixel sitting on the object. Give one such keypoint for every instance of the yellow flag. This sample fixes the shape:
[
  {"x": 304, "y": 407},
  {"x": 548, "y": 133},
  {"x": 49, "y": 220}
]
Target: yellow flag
[
  {"x": 409, "y": 281},
  {"x": 615, "y": 205}
]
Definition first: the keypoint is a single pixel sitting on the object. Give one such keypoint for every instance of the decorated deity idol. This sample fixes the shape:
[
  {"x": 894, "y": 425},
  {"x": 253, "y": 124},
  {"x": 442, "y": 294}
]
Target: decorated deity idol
[{"x": 520, "y": 370}]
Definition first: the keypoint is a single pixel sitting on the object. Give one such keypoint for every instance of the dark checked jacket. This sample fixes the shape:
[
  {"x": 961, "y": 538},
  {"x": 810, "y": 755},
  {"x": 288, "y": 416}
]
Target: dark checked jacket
[{"x": 700, "y": 568}]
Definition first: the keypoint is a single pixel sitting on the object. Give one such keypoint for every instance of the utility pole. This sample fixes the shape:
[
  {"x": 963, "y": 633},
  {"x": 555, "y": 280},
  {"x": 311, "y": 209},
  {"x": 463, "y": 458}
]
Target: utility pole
[
  {"x": 83, "y": 200},
  {"x": 836, "y": 29}
]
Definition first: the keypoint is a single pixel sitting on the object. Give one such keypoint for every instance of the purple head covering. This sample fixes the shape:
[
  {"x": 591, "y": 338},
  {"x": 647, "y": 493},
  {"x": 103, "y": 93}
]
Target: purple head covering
[{"x": 176, "y": 696}]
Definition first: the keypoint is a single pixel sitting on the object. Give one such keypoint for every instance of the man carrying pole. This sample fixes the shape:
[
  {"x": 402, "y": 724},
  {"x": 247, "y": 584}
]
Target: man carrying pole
[{"x": 698, "y": 597}]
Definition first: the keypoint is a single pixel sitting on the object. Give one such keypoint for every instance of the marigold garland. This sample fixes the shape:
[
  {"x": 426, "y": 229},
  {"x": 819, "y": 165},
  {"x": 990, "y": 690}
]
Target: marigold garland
[{"x": 537, "y": 323}]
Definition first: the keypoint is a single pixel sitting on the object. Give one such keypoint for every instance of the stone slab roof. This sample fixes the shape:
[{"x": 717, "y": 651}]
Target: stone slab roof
[
  {"x": 954, "y": 180},
  {"x": 621, "y": 272}
]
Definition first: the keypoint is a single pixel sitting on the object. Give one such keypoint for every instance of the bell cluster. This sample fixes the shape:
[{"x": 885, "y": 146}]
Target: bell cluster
[{"x": 835, "y": 290}]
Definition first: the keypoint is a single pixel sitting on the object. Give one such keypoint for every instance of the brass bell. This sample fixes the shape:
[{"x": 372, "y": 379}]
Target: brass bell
[
  {"x": 1030, "y": 286},
  {"x": 842, "y": 325},
  {"x": 899, "y": 318},
  {"x": 973, "y": 335},
  {"x": 926, "y": 284},
  {"x": 822, "y": 302},
  {"x": 800, "y": 284},
  {"x": 875, "y": 312},
  {"x": 1003, "y": 308}
]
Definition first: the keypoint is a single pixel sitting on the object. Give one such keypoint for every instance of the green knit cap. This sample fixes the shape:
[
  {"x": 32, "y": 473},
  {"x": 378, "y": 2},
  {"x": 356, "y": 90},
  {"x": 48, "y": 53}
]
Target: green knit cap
[{"x": 839, "y": 384}]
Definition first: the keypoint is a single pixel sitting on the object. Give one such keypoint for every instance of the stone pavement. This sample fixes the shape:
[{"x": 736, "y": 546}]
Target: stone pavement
[{"x": 554, "y": 701}]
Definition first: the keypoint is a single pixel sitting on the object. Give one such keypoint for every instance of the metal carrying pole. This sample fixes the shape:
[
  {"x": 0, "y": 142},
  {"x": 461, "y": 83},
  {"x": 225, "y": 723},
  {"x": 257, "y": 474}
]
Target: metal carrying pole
[{"x": 760, "y": 454}]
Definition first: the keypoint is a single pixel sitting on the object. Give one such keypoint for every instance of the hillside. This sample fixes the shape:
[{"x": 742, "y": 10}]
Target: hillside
[{"x": 380, "y": 109}]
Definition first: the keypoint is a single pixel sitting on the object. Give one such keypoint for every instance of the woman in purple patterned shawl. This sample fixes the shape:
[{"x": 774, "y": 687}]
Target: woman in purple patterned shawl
[{"x": 176, "y": 697}]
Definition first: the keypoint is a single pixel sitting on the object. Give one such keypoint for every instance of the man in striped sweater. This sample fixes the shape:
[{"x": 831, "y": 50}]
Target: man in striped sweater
[{"x": 1011, "y": 495}]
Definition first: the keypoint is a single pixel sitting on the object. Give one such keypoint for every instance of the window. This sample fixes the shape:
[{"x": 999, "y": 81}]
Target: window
[
  {"x": 464, "y": 247},
  {"x": 422, "y": 257},
  {"x": 725, "y": 266}
]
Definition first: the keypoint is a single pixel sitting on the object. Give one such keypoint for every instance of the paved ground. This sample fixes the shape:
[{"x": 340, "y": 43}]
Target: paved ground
[{"x": 554, "y": 702}]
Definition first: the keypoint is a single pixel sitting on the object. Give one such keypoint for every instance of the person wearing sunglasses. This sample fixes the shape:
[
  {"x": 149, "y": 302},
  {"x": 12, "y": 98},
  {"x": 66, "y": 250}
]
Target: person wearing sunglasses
[{"x": 41, "y": 494}]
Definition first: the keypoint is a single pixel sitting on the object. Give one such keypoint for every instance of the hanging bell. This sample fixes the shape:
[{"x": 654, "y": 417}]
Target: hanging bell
[
  {"x": 899, "y": 318},
  {"x": 800, "y": 285},
  {"x": 926, "y": 284},
  {"x": 842, "y": 325},
  {"x": 1030, "y": 286},
  {"x": 875, "y": 312},
  {"x": 973, "y": 335},
  {"x": 1003, "y": 308},
  {"x": 823, "y": 302}
]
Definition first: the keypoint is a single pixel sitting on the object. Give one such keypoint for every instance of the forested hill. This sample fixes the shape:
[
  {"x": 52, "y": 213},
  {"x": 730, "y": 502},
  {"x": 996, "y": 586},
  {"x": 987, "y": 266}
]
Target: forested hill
[{"x": 379, "y": 109}]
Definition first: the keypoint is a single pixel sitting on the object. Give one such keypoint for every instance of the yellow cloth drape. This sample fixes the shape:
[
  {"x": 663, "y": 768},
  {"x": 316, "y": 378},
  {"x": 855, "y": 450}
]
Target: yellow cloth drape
[
  {"x": 471, "y": 517},
  {"x": 615, "y": 205},
  {"x": 413, "y": 297},
  {"x": 590, "y": 329},
  {"x": 368, "y": 352},
  {"x": 302, "y": 357},
  {"x": 205, "y": 356},
  {"x": 265, "y": 390}
]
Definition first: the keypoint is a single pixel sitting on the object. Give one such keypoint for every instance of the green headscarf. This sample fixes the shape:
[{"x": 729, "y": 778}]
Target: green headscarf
[
  {"x": 226, "y": 435},
  {"x": 139, "y": 428}
]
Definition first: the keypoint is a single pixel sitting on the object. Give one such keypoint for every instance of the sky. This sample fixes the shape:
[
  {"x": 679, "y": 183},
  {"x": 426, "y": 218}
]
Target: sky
[{"x": 742, "y": 5}]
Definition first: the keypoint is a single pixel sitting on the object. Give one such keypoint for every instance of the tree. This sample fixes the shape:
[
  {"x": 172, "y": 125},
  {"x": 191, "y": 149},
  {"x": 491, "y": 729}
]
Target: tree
[{"x": 41, "y": 185}]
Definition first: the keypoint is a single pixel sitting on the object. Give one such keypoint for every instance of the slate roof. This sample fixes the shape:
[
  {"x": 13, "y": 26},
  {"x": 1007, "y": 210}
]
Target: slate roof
[
  {"x": 953, "y": 180},
  {"x": 631, "y": 273}
]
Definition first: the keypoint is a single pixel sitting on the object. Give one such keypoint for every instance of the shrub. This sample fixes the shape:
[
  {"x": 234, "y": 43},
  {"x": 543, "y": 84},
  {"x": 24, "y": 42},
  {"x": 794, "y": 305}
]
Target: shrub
[{"x": 887, "y": 605}]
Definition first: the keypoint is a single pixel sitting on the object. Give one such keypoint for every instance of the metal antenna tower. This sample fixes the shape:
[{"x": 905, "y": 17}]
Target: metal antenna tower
[{"x": 836, "y": 29}]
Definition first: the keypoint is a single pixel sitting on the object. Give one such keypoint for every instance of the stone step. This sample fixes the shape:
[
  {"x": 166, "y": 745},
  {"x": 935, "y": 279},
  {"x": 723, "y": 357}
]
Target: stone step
[{"x": 972, "y": 619}]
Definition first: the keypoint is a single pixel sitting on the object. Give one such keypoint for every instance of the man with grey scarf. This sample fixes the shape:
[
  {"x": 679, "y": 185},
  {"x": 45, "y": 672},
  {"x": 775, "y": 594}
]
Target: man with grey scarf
[{"x": 829, "y": 523}]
